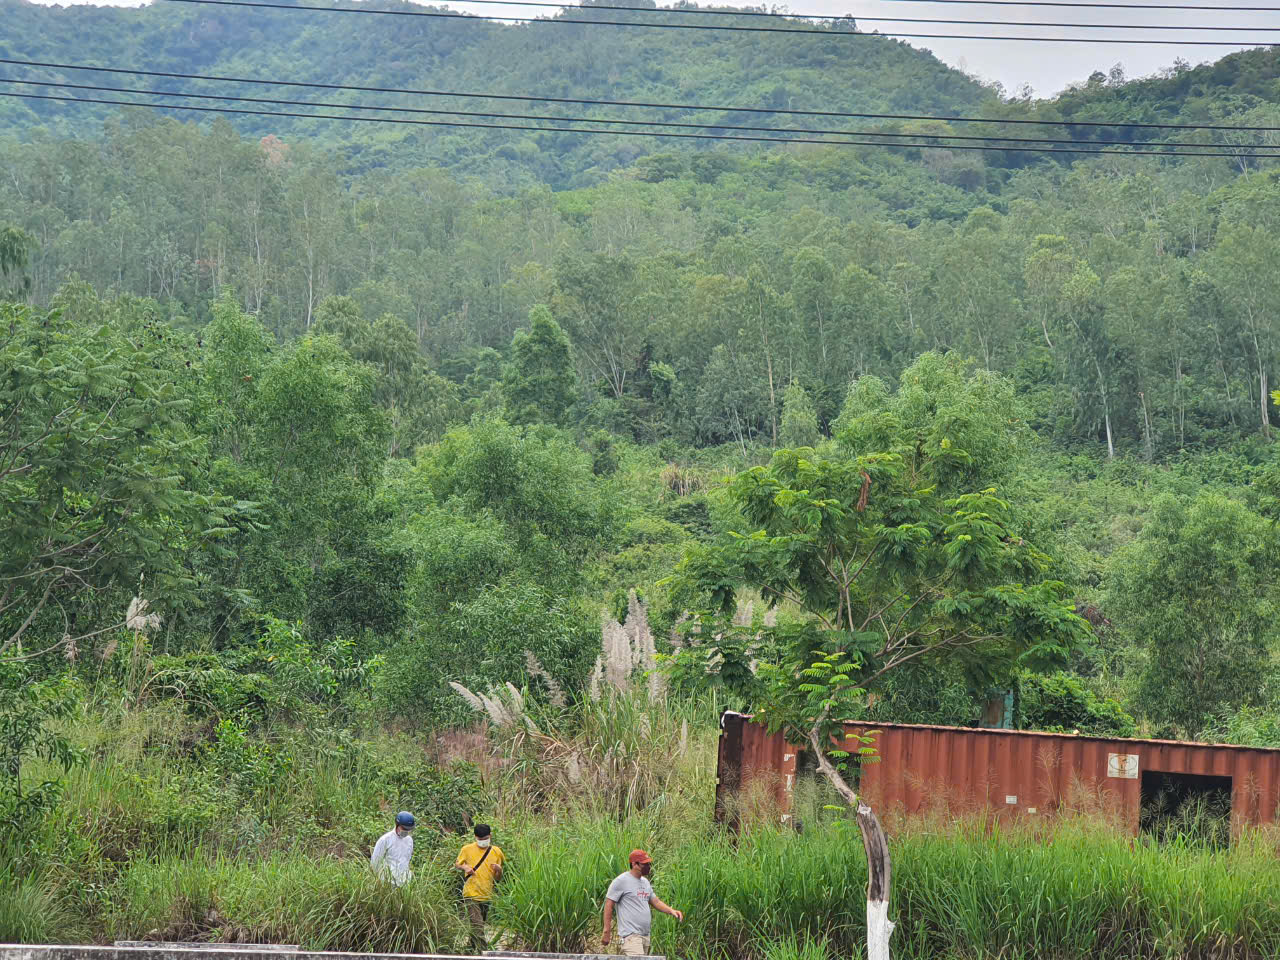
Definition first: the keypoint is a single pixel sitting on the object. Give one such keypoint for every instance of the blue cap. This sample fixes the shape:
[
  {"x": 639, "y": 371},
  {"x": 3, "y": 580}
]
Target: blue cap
[{"x": 404, "y": 819}]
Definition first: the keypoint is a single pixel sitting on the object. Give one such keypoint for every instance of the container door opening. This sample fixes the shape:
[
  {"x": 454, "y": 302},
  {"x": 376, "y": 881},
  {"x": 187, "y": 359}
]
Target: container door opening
[{"x": 1192, "y": 806}]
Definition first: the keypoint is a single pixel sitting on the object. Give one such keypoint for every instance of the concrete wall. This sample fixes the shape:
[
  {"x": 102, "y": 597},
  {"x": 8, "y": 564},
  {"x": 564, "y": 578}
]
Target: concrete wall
[{"x": 233, "y": 951}]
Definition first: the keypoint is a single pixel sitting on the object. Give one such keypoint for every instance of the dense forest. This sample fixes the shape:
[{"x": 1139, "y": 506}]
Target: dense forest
[{"x": 343, "y": 471}]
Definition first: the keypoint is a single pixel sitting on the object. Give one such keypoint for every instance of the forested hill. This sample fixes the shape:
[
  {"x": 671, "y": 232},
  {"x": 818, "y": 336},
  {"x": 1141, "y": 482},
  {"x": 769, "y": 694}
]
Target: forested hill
[{"x": 842, "y": 72}]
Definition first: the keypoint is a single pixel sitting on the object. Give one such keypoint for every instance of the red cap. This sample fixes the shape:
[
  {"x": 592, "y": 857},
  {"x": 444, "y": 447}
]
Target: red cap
[{"x": 639, "y": 856}]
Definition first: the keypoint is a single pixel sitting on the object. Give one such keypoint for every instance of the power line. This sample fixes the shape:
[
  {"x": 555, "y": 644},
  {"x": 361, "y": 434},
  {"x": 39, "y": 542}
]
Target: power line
[
  {"x": 1235, "y": 154},
  {"x": 787, "y": 16},
  {"x": 1118, "y": 6},
  {"x": 899, "y": 135},
  {"x": 631, "y": 104},
  {"x": 705, "y": 12},
  {"x": 265, "y": 4}
]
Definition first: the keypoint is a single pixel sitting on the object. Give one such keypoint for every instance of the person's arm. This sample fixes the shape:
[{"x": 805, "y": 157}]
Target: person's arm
[
  {"x": 608, "y": 921},
  {"x": 463, "y": 867},
  {"x": 655, "y": 902},
  {"x": 379, "y": 851}
]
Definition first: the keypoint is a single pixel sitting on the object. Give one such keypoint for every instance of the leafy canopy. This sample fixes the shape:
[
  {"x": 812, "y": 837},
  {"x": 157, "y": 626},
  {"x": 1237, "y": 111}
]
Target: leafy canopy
[
  {"x": 540, "y": 382},
  {"x": 876, "y": 567},
  {"x": 94, "y": 460},
  {"x": 1195, "y": 593}
]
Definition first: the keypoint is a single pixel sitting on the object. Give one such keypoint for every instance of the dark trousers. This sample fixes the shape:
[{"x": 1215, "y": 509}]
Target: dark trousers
[{"x": 477, "y": 913}]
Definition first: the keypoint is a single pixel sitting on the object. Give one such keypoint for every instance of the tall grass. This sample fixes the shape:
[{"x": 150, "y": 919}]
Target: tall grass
[
  {"x": 147, "y": 842},
  {"x": 31, "y": 911},
  {"x": 973, "y": 890},
  {"x": 321, "y": 905}
]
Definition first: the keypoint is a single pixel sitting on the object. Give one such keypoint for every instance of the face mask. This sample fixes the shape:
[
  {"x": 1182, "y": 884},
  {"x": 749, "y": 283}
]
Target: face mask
[
  {"x": 483, "y": 843},
  {"x": 646, "y": 869}
]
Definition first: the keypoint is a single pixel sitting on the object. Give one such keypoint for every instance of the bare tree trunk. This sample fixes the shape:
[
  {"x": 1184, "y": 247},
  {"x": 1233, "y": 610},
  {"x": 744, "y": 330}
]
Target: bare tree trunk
[
  {"x": 1106, "y": 407},
  {"x": 1262, "y": 390},
  {"x": 1148, "y": 441},
  {"x": 879, "y": 926}
]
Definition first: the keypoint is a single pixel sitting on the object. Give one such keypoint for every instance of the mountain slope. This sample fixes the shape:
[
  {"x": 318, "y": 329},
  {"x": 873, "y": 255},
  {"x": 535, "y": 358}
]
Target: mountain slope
[{"x": 842, "y": 72}]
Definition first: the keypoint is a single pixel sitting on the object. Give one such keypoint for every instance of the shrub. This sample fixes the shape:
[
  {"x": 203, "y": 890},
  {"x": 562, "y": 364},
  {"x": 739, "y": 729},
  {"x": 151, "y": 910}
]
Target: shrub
[{"x": 1061, "y": 703}]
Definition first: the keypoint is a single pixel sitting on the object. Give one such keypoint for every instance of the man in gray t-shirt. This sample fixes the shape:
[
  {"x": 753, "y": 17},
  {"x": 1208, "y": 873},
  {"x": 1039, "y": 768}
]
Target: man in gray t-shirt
[{"x": 631, "y": 895}]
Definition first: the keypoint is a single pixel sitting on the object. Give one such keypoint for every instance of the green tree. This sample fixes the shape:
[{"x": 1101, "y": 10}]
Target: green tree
[
  {"x": 884, "y": 570},
  {"x": 534, "y": 481},
  {"x": 539, "y": 384},
  {"x": 15, "y": 249},
  {"x": 1061, "y": 702},
  {"x": 1194, "y": 593},
  {"x": 799, "y": 419},
  {"x": 95, "y": 460},
  {"x": 965, "y": 431},
  {"x": 28, "y": 708}
]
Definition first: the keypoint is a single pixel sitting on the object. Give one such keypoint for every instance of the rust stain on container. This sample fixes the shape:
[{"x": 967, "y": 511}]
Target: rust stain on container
[
  {"x": 755, "y": 768},
  {"x": 1011, "y": 773}
]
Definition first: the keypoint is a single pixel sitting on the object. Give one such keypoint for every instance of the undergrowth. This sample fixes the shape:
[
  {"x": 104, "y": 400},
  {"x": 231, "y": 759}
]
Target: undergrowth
[{"x": 151, "y": 839}]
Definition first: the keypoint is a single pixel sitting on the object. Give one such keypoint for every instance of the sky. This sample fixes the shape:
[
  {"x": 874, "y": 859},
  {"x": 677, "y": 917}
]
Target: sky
[{"x": 1047, "y": 67}]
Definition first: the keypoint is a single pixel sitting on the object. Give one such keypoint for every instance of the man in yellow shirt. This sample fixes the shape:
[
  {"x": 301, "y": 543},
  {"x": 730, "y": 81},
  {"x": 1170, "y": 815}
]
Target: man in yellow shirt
[{"x": 481, "y": 864}]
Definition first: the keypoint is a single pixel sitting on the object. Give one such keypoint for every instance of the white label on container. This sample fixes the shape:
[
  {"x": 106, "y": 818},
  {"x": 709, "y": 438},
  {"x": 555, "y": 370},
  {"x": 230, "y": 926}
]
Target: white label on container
[
  {"x": 1031, "y": 809},
  {"x": 1122, "y": 765},
  {"x": 1011, "y": 799}
]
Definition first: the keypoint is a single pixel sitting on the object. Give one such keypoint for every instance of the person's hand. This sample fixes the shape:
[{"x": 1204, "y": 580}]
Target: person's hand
[
  {"x": 605, "y": 939},
  {"x": 678, "y": 914}
]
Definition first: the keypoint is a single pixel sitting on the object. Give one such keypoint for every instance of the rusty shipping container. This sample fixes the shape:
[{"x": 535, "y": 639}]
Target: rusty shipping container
[{"x": 1013, "y": 773}]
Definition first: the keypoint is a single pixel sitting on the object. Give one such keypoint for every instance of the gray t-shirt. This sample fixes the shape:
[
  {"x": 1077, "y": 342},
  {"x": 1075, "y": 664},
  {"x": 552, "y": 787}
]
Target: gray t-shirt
[{"x": 631, "y": 894}]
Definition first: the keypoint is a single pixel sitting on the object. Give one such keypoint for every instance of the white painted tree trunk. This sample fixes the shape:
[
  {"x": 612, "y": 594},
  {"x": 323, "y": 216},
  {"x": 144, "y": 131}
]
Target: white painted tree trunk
[{"x": 879, "y": 926}]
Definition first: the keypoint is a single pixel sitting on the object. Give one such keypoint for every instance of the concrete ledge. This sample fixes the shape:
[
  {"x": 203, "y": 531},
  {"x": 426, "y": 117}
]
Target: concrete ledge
[
  {"x": 223, "y": 951},
  {"x": 248, "y": 951},
  {"x": 207, "y": 945}
]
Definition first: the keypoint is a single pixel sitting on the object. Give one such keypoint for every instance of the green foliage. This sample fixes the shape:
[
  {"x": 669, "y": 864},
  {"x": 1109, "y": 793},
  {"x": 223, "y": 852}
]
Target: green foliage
[
  {"x": 537, "y": 484},
  {"x": 610, "y": 63},
  {"x": 483, "y": 640},
  {"x": 15, "y": 251},
  {"x": 956, "y": 427},
  {"x": 27, "y": 711},
  {"x": 1250, "y": 726},
  {"x": 283, "y": 676},
  {"x": 540, "y": 382},
  {"x": 319, "y": 905},
  {"x": 926, "y": 693},
  {"x": 799, "y": 419},
  {"x": 604, "y": 458},
  {"x": 1194, "y": 594},
  {"x": 96, "y": 466},
  {"x": 1061, "y": 703},
  {"x": 909, "y": 576},
  {"x": 729, "y": 662}
]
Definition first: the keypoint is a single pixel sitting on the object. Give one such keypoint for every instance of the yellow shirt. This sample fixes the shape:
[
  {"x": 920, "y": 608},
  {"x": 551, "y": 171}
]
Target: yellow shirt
[{"x": 479, "y": 886}]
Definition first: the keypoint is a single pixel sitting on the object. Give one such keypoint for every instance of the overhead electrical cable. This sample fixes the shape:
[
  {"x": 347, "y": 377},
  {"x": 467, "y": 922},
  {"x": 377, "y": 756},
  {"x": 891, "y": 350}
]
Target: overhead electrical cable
[
  {"x": 773, "y": 14},
  {"x": 881, "y": 134},
  {"x": 266, "y": 5},
  {"x": 632, "y": 104},
  {"x": 683, "y": 11},
  {"x": 1089, "y": 5},
  {"x": 1241, "y": 153}
]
